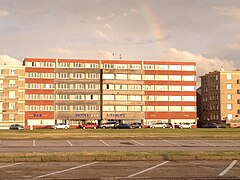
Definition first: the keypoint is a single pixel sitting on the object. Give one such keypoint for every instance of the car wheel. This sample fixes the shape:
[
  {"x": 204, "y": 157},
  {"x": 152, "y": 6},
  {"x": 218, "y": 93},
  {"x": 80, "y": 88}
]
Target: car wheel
[
  {"x": 66, "y": 127},
  {"x": 103, "y": 127}
]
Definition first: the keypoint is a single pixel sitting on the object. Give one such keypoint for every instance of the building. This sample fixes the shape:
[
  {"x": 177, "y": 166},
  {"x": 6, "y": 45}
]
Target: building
[
  {"x": 221, "y": 97},
  {"x": 77, "y": 90},
  {"x": 12, "y": 95}
]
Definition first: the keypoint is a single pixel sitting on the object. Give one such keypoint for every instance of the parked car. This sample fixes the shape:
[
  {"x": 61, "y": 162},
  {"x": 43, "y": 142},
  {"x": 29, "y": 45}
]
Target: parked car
[
  {"x": 169, "y": 125},
  {"x": 185, "y": 126},
  {"x": 90, "y": 125},
  {"x": 136, "y": 125},
  {"x": 211, "y": 125},
  {"x": 60, "y": 126},
  {"x": 158, "y": 125},
  {"x": 122, "y": 126},
  {"x": 109, "y": 124},
  {"x": 16, "y": 127}
]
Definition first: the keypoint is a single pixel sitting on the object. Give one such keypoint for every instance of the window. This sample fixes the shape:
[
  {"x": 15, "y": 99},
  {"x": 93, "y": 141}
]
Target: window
[
  {"x": 229, "y": 86},
  {"x": 229, "y": 76},
  {"x": 188, "y": 108},
  {"x": 161, "y": 108},
  {"x": 62, "y": 86},
  {"x": 134, "y": 77},
  {"x": 188, "y": 68},
  {"x": 91, "y": 65},
  {"x": 91, "y": 76},
  {"x": 229, "y": 116},
  {"x": 12, "y": 83},
  {"x": 78, "y": 97},
  {"x": 188, "y": 78},
  {"x": 63, "y": 108},
  {"x": 149, "y": 98},
  {"x": 229, "y": 106},
  {"x": 12, "y": 94},
  {"x": 11, "y": 106},
  {"x": 229, "y": 96},
  {"x": 148, "y": 67},
  {"x": 63, "y": 75},
  {"x": 175, "y": 98},
  {"x": 63, "y": 96},
  {"x": 108, "y": 108},
  {"x": 108, "y": 76},
  {"x": 161, "y": 67},
  {"x": 78, "y": 65},
  {"x": 121, "y": 87},
  {"x": 92, "y": 86},
  {"x": 135, "y": 87},
  {"x": 92, "y": 97},
  {"x": 135, "y": 66},
  {"x": 134, "y": 108},
  {"x": 188, "y": 98},
  {"x": 175, "y": 77},
  {"x": 108, "y": 97},
  {"x": 161, "y": 88},
  {"x": 121, "y": 108},
  {"x": 161, "y": 98},
  {"x": 108, "y": 86},
  {"x": 121, "y": 76},
  {"x": 63, "y": 65},
  {"x": 174, "y": 88},
  {"x": 161, "y": 77},
  {"x": 148, "y": 87},
  {"x": 78, "y": 108},
  {"x": 175, "y": 108},
  {"x": 188, "y": 88},
  {"x": 108, "y": 66},
  {"x": 120, "y": 66},
  {"x": 134, "y": 98},
  {"x": 79, "y": 86},
  {"x": 92, "y": 108},
  {"x": 121, "y": 97},
  {"x": 148, "y": 77},
  {"x": 78, "y": 75},
  {"x": 175, "y": 67}
]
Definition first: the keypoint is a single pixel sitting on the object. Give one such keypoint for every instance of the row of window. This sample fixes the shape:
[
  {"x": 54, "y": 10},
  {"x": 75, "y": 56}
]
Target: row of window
[
  {"x": 113, "y": 108},
  {"x": 113, "y": 87},
  {"x": 110, "y": 97},
  {"x": 112, "y": 76},
  {"x": 112, "y": 66}
]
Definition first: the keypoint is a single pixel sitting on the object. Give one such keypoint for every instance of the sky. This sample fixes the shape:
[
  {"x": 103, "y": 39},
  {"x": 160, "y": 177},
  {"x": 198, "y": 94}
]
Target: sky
[{"x": 204, "y": 31}]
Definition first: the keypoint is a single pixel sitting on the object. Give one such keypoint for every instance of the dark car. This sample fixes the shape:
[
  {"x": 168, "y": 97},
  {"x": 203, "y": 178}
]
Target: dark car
[
  {"x": 16, "y": 127},
  {"x": 122, "y": 126},
  {"x": 136, "y": 125},
  {"x": 211, "y": 125},
  {"x": 169, "y": 125}
]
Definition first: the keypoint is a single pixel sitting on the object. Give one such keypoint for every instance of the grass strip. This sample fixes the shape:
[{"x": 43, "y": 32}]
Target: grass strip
[{"x": 118, "y": 156}]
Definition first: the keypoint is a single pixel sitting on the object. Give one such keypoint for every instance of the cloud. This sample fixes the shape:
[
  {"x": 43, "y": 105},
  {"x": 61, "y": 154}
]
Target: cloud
[
  {"x": 112, "y": 15},
  {"x": 108, "y": 26},
  {"x": 105, "y": 54},
  {"x": 204, "y": 64},
  {"x": 233, "y": 46},
  {"x": 7, "y": 60},
  {"x": 133, "y": 10},
  {"x": 99, "y": 18},
  {"x": 61, "y": 50},
  {"x": 3, "y": 13},
  {"x": 232, "y": 11},
  {"x": 125, "y": 14},
  {"x": 101, "y": 35}
]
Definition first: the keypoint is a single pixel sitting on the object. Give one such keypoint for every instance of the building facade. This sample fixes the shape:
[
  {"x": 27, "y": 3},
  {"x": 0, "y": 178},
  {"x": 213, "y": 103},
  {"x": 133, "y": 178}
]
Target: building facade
[
  {"x": 12, "y": 92},
  {"x": 76, "y": 91},
  {"x": 221, "y": 97}
]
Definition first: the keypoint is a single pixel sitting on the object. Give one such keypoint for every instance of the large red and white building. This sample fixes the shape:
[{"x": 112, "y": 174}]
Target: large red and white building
[{"x": 80, "y": 90}]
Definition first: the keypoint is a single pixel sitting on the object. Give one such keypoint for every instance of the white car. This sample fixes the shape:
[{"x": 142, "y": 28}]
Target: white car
[
  {"x": 60, "y": 126},
  {"x": 185, "y": 125},
  {"x": 158, "y": 125}
]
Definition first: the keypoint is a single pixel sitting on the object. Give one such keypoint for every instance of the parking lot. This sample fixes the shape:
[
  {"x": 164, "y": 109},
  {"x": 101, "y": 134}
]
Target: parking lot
[
  {"x": 122, "y": 170},
  {"x": 115, "y": 145}
]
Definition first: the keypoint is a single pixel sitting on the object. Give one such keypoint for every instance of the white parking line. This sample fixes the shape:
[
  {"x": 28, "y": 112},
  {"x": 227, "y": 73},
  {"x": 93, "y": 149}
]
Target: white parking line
[
  {"x": 148, "y": 169},
  {"x": 58, "y": 172},
  {"x": 206, "y": 143},
  {"x": 138, "y": 142},
  {"x": 104, "y": 143},
  {"x": 228, "y": 168},
  {"x": 172, "y": 143},
  {"x": 9, "y": 165},
  {"x": 34, "y": 143},
  {"x": 232, "y": 142},
  {"x": 69, "y": 143}
]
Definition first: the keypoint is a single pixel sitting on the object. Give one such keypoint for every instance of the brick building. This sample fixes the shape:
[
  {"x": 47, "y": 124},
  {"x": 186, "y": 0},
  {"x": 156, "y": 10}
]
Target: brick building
[
  {"x": 77, "y": 91},
  {"x": 220, "y": 97},
  {"x": 12, "y": 92}
]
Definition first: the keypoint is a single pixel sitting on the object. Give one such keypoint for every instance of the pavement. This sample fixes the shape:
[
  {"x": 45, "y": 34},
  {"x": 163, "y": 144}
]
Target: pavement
[
  {"x": 122, "y": 170},
  {"x": 8, "y": 146}
]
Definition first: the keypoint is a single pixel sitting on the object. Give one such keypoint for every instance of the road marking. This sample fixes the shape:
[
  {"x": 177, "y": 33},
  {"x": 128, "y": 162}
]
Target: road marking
[
  {"x": 104, "y": 143},
  {"x": 228, "y": 168},
  {"x": 65, "y": 170},
  {"x": 34, "y": 143},
  {"x": 172, "y": 143},
  {"x": 69, "y": 143},
  {"x": 148, "y": 169},
  {"x": 232, "y": 142},
  {"x": 138, "y": 142},
  {"x": 9, "y": 165},
  {"x": 206, "y": 143}
]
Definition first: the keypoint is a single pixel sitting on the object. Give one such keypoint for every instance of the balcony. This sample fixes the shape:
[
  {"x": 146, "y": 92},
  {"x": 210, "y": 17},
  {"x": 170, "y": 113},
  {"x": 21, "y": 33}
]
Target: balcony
[
  {"x": 238, "y": 101},
  {"x": 238, "y": 91},
  {"x": 238, "y": 81}
]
